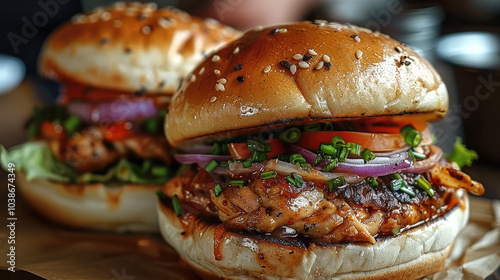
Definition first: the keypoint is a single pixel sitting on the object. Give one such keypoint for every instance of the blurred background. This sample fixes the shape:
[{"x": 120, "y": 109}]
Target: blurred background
[{"x": 461, "y": 38}]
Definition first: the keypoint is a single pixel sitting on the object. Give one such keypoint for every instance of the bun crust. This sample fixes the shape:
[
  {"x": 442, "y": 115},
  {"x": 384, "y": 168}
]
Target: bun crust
[
  {"x": 131, "y": 47},
  {"x": 413, "y": 254},
  {"x": 93, "y": 206},
  {"x": 368, "y": 74}
]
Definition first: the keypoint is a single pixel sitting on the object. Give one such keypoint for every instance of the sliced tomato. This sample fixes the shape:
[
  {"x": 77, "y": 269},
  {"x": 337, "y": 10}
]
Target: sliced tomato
[
  {"x": 51, "y": 131},
  {"x": 377, "y": 142},
  {"x": 239, "y": 151},
  {"x": 394, "y": 128},
  {"x": 117, "y": 132}
]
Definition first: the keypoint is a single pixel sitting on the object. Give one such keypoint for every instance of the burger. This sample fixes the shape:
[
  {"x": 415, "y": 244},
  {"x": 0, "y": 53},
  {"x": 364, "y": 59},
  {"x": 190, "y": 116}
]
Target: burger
[
  {"x": 307, "y": 154},
  {"x": 97, "y": 157}
]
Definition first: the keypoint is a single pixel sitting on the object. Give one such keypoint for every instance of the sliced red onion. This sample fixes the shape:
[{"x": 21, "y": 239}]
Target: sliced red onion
[
  {"x": 381, "y": 165},
  {"x": 423, "y": 165},
  {"x": 286, "y": 168},
  {"x": 200, "y": 159},
  {"x": 123, "y": 109}
]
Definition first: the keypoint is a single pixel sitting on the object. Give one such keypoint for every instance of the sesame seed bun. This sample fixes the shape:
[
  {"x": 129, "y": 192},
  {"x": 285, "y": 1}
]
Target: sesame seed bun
[
  {"x": 128, "y": 207},
  {"x": 411, "y": 255},
  {"x": 131, "y": 47},
  {"x": 304, "y": 72}
]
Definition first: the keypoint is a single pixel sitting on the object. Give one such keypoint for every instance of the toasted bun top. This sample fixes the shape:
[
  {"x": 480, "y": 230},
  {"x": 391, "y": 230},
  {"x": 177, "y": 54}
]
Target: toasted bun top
[
  {"x": 345, "y": 72},
  {"x": 131, "y": 46}
]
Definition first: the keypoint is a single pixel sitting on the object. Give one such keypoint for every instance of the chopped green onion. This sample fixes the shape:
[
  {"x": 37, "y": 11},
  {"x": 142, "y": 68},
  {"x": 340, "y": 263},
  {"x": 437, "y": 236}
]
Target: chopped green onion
[
  {"x": 225, "y": 163},
  {"x": 328, "y": 149},
  {"x": 177, "y": 205},
  {"x": 407, "y": 190},
  {"x": 338, "y": 140},
  {"x": 239, "y": 183},
  {"x": 160, "y": 194},
  {"x": 418, "y": 155},
  {"x": 256, "y": 146},
  {"x": 411, "y": 136},
  {"x": 295, "y": 179},
  {"x": 297, "y": 159},
  {"x": 211, "y": 165},
  {"x": 422, "y": 183},
  {"x": 181, "y": 169},
  {"x": 396, "y": 176},
  {"x": 217, "y": 190},
  {"x": 152, "y": 125},
  {"x": 367, "y": 154},
  {"x": 396, "y": 230},
  {"x": 313, "y": 127},
  {"x": 330, "y": 166},
  {"x": 71, "y": 124},
  {"x": 247, "y": 163},
  {"x": 162, "y": 113},
  {"x": 372, "y": 181},
  {"x": 355, "y": 148},
  {"x": 159, "y": 171},
  {"x": 461, "y": 155},
  {"x": 290, "y": 135},
  {"x": 318, "y": 160},
  {"x": 343, "y": 152},
  {"x": 336, "y": 182},
  {"x": 412, "y": 155},
  {"x": 258, "y": 156},
  {"x": 216, "y": 149},
  {"x": 268, "y": 175}
]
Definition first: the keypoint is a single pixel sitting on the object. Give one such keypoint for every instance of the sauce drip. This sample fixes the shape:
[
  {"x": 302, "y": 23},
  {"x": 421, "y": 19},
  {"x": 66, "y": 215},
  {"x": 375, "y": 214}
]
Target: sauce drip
[{"x": 219, "y": 237}]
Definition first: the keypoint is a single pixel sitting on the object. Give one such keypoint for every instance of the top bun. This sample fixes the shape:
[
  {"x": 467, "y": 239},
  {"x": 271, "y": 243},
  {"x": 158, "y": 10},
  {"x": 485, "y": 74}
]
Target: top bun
[
  {"x": 131, "y": 47},
  {"x": 303, "y": 72}
]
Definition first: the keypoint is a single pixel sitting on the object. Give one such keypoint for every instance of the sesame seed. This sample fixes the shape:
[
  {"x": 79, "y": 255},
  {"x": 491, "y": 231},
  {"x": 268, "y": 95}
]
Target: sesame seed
[
  {"x": 104, "y": 41},
  {"x": 238, "y": 67},
  {"x": 320, "y": 22},
  {"x": 78, "y": 18},
  {"x": 407, "y": 62},
  {"x": 222, "y": 81},
  {"x": 285, "y": 63},
  {"x": 293, "y": 69},
  {"x": 306, "y": 57},
  {"x": 258, "y": 28},
  {"x": 359, "y": 54},
  {"x": 356, "y": 38},
  {"x": 399, "y": 49},
  {"x": 201, "y": 70},
  {"x": 93, "y": 18},
  {"x": 128, "y": 50},
  {"x": 219, "y": 87},
  {"x": 311, "y": 51},
  {"x": 217, "y": 72},
  {"x": 240, "y": 79},
  {"x": 105, "y": 16},
  {"x": 212, "y": 100},
  {"x": 267, "y": 69},
  {"x": 119, "y": 5},
  {"x": 152, "y": 5},
  {"x": 320, "y": 65},
  {"x": 328, "y": 65},
  {"x": 142, "y": 17},
  {"x": 215, "y": 58},
  {"x": 193, "y": 78},
  {"x": 117, "y": 23},
  {"x": 236, "y": 50},
  {"x": 304, "y": 64},
  {"x": 146, "y": 29},
  {"x": 297, "y": 56},
  {"x": 326, "y": 58},
  {"x": 164, "y": 22}
]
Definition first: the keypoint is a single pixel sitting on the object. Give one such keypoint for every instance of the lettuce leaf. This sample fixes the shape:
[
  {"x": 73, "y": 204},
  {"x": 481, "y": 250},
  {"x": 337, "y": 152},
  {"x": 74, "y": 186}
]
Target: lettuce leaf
[
  {"x": 35, "y": 159},
  {"x": 461, "y": 155}
]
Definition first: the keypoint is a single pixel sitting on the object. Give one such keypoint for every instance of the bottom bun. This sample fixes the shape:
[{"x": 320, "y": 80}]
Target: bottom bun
[
  {"x": 412, "y": 254},
  {"x": 129, "y": 207}
]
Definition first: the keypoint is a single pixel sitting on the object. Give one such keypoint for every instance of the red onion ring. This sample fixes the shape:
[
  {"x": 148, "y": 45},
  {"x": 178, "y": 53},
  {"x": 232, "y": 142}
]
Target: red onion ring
[
  {"x": 423, "y": 165},
  {"x": 123, "y": 109},
  {"x": 381, "y": 165},
  {"x": 199, "y": 159}
]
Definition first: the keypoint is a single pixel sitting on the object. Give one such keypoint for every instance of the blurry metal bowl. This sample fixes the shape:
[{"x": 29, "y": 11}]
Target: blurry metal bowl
[{"x": 12, "y": 72}]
